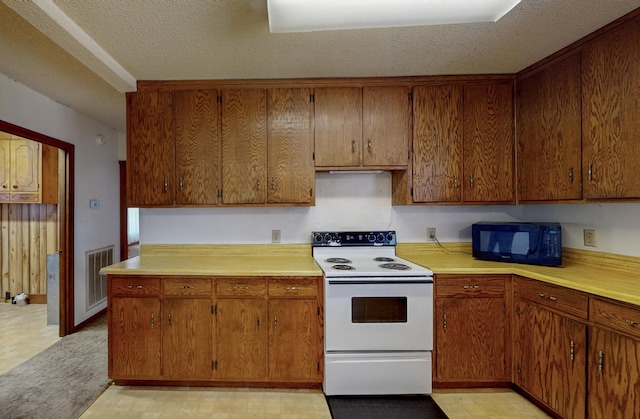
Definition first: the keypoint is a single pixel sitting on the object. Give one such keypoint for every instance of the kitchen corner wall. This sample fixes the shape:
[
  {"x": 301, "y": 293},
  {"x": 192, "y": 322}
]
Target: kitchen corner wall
[
  {"x": 96, "y": 173},
  {"x": 363, "y": 202}
]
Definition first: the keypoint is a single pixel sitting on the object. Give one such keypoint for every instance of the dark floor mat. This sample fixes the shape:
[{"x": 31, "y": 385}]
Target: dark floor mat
[{"x": 384, "y": 407}]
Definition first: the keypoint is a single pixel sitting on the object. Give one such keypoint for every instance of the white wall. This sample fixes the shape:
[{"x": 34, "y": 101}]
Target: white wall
[
  {"x": 363, "y": 202},
  {"x": 96, "y": 172}
]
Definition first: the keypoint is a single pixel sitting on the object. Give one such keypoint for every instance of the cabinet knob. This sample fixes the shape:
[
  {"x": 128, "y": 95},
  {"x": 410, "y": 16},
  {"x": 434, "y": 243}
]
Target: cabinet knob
[
  {"x": 259, "y": 183},
  {"x": 292, "y": 288},
  {"x": 590, "y": 171},
  {"x": 186, "y": 286},
  {"x": 15, "y": 186},
  {"x": 273, "y": 183},
  {"x": 4, "y": 186},
  {"x": 166, "y": 184},
  {"x": 353, "y": 146},
  {"x": 180, "y": 182},
  {"x": 471, "y": 181},
  {"x": 369, "y": 146},
  {"x": 571, "y": 175},
  {"x": 455, "y": 181},
  {"x": 275, "y": 322}
]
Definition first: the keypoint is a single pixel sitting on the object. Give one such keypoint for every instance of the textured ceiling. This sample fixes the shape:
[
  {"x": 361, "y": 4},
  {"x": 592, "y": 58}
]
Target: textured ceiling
[{"x": 230, "y": 39}]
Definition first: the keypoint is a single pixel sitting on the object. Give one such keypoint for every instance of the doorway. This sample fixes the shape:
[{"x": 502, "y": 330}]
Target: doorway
[{"x": 65, "y": 222}]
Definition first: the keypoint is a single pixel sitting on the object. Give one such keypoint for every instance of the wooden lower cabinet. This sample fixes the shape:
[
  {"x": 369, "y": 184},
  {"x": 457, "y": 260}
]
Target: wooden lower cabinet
[
  {"x": 550, "y": 358},
  {"x": 242, "y": 335},
  {"x": 614, "y": 360},
  {"x": 134, "y": 338},
  {"x": 194, "y": 329},
  {"x": 472, "y": 332},
  {"x": 265, "y": 335},
  {"x": 187, "y": 343}
]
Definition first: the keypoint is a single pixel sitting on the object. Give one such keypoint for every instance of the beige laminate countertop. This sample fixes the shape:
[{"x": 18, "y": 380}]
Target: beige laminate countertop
[
  {"x": 219, "y": 260},
  {"x": 606, "y": 275}
]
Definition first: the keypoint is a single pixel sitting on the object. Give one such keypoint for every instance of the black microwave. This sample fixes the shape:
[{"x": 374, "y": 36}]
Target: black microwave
[{"x": 530, "y": 243}]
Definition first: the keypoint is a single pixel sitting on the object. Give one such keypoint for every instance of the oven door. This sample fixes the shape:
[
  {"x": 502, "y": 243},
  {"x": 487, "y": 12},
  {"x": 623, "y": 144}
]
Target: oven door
[{"x": 378, "y": 314}]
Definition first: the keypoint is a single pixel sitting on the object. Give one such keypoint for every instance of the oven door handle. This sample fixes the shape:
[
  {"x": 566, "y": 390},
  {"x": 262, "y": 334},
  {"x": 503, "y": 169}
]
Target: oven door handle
[{"x": 397, "y": 281}]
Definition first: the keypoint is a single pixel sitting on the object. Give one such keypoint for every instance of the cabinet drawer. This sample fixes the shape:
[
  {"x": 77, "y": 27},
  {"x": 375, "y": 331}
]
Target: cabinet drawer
[
  {"x": 469, "y": 287},
  {"x": 135, "y": 286},
  {"x": 562, "y": 299},
  {"x": 186, "y": 286},
  {"x": 294, "y": 287},
  {"x": 252, "y": 287},
  {"x": 615, "y": 316}
]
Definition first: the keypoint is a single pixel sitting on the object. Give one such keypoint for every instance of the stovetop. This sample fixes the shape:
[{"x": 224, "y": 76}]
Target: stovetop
[{"x": 362, "y": 254}]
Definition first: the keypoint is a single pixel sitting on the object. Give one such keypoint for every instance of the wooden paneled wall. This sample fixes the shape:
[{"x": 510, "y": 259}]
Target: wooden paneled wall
[{"x": 27, "y": 233}]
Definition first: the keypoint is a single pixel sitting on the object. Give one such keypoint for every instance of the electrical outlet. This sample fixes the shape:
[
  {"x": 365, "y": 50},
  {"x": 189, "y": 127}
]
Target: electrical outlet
[
  {"x": 275, "y": 236},
  {"x": 431, "y": 233},
  {"x": 589, "y": 237}
]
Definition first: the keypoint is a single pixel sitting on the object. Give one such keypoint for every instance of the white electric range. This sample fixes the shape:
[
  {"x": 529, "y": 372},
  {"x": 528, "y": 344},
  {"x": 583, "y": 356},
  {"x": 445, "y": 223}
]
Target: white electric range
[{"x": 378, "y": 313}]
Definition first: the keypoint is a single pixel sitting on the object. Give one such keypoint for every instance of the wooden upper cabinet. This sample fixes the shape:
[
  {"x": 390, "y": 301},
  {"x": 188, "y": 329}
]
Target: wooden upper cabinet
[
  {"x": 244, "y": 146},
  {"x": 488, "y": 143},
  {"x": 150, "y": 149},
  {"x": 338, "y": 126},
  {"x": 386, "y": 118},
  {"x": 362, "y": 127},
  {"x": 28, "y": 171},
  {"x": 610, "y": 86},
  {"x": 291, "y": 175},
  {"x": 549, "y": 133},
  {"x": 197, "y": 146},
  {"x": 437, "y": 143}
]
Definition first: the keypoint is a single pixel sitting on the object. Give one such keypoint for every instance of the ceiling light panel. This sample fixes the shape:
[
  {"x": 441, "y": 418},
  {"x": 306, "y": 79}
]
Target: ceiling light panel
[{"x": 324, "y": 15}]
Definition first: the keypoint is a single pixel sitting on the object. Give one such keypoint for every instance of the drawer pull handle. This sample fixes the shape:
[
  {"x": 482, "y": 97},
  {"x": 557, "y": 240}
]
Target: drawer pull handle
[
  {"x": 240, "y": 287},
  {"x": 153, "y": 320},
  {"x": 600, "y": 360},
  {"x": 572, "y": 349},
  {"x": 275, "y": 322},
  {"x": 186, "y": 287},
  {"x": 541, "y": 295},
  {"x": 169, "y": 320},
  {"x": 631, "y": 323},
  {"x": 292, "y": 289},
  {"x": 444, "y": 322},
  {"x": 134, "y": 286},
  {"x": 471, "y": 287},
  {"x": 552, "y": 298},
  {"x": 258, "y": 321}
]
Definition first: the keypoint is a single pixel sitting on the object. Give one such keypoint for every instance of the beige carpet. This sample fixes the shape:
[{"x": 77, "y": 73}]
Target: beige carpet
[{"x": 60, "y": 382}]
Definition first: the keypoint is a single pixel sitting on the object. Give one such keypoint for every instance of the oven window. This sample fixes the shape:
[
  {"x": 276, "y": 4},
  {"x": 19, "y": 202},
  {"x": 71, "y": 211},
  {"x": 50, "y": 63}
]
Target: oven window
[{"x": 379, "y": 309}]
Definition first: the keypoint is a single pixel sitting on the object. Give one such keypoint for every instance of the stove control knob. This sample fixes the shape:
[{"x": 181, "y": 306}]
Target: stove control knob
[
  {"x": 380, "y": 237},
  {"x": 371, "y": 237},
  {"x": 317, "y": 238},
  {"x": 327, "y": 237},
  {"x": 389, "y": 237}
]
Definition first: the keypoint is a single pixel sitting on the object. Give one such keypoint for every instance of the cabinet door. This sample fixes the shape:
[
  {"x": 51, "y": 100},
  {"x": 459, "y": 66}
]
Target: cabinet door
[
  {"x": 197, "y": 144},
  {"x": 244, "y": 146},
  {"x": 550, "y": 358},
  {"x": 134, "y": 338},
  {"x": 470, "y": 339},
  {"x": 293, "y": 340},
  {"x": 290, "y": 153},
  {"x": 242, "y": 340},
  {"x": 338, "y": 126},
  {"x": 610, "y": 85},
  {"x": 187, "y": 341},
  {"x": 614, "y": 375},
  {"x": 549, "y": 133},
  {"x": 150, "y": 149},
  {"x": 386, "y": 115},
  {"x": 437, "y": 143},
  {"x": 5, "y": 161},
  {"x": 488, "y": 143}
]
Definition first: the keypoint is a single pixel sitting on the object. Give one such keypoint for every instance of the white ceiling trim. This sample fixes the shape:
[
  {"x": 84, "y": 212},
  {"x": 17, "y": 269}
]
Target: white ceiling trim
[{"x": 59, "y": 27}]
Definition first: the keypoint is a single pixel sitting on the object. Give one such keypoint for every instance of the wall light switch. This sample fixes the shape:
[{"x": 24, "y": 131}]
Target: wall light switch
[{"x": 94, "y": 204}]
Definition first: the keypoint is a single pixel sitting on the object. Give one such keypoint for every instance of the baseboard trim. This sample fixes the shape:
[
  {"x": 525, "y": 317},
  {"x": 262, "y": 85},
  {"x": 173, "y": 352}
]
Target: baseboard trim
[{"x": 90, "y": 320}]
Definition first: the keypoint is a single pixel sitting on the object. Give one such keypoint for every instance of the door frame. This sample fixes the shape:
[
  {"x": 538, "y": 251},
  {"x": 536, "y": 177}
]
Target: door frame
[{"x": 65, "y": 223}]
